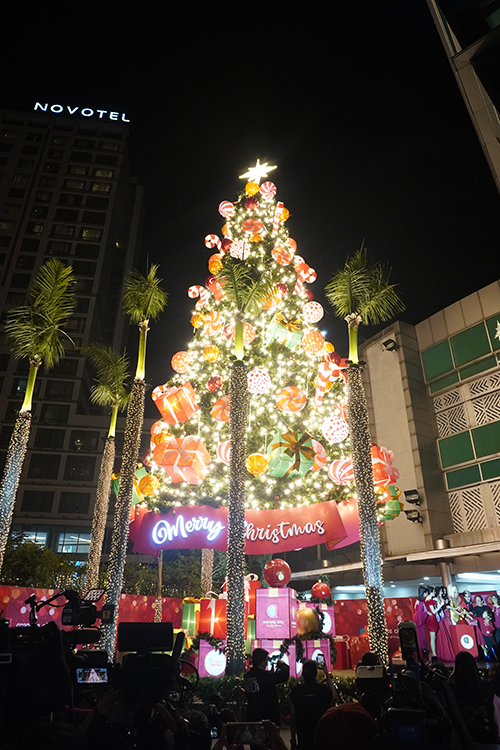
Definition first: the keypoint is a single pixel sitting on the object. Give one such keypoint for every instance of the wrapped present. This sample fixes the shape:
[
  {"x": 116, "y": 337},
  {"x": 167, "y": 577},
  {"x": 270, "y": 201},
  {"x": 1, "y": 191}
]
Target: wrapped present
[
  {"x": 213, "y": 617},
  {"x": 175, "y": 404},
  {"x": 140, "y": 473},
  {"x": 275, "y": 613},
  {"x": 287, "y": 331},
  {"x": 384, "y": 471},
  {"x": 290, "y": 453},
  {"x": 189, "y": 611},
  {"x": 159, "y": 433},
  {"x": 327, "y": 610},
  {"x": 184, "y": 459},
  {"x": 252, "y": 583},
  {"x": 211, "y": 662},
  {"x": 316, "y": 649},
  {"x": 342, "y": 645}
]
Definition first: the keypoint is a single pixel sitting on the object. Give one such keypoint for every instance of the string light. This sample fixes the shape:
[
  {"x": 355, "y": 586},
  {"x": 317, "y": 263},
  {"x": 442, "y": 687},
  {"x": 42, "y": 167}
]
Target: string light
[
  {"x": 100, "y": 514},
  {"x": 12, "y": 474}
]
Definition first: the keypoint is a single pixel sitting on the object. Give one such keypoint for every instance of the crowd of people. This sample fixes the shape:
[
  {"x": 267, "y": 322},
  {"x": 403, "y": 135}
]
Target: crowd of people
[{"x": 439, "y": 609}]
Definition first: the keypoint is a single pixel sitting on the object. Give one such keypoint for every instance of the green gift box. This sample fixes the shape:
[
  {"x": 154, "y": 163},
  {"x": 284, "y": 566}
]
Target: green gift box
[
  {"x": 287, "y": 331},
  {"x": 290, "y": 453},
  {"x": 189, "y": 618}
]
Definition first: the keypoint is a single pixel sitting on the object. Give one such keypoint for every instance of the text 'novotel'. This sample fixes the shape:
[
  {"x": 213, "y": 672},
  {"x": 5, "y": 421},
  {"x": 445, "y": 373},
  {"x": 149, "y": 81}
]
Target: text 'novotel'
[{"x": 58, "y": 109}]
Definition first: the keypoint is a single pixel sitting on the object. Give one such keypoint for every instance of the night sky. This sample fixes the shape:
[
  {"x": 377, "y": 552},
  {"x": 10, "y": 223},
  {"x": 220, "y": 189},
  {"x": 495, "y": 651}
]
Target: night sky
[{"x": 355, "y": 102}]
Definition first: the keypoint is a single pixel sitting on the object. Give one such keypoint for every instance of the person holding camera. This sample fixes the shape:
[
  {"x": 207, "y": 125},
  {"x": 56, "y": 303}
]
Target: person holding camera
[
  {"x": 260, "y": 687},
  {"x": 309, "y": 700}
]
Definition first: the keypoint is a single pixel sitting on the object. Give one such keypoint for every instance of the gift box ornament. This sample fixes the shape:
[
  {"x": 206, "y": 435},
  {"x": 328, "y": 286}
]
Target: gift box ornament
[
  {"x": 184, "y": 459},
  {"x": 211, "y": 662},
  {"x": 213, "y": 617},
  {"x": 189, "y": 618},
  {"x": 275, "y": 613},
  {"x": 287, "y": 331},
  {"x": 175, "y": 404},
  {"x": 290, "y": 453}
]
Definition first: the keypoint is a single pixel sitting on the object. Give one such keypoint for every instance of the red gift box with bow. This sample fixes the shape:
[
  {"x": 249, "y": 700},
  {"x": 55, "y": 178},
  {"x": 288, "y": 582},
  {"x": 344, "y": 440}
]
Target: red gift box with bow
[{"x": 175, "y": 404}]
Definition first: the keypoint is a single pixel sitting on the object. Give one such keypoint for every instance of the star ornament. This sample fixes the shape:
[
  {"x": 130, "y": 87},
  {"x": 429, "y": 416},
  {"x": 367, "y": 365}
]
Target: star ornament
[{"x": 255, "y": 174}]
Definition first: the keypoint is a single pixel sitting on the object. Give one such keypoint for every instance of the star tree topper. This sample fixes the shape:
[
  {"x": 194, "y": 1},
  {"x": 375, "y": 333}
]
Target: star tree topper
[{"x": 255, "y": 174}]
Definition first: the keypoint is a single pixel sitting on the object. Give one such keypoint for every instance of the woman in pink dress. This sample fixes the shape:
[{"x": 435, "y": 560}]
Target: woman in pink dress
[
  {"x": 431, "y": 623},
  {"x": 419, "y": 618},
  {"x": 444, "y": 645}
]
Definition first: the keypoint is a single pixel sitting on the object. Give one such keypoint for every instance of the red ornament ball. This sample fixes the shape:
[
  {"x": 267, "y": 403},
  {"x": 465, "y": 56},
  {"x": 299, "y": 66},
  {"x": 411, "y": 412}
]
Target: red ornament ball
[
  {"x": 226, "y": 244},
  {"x": 214, "y": 383},
  {"x": 321, "y": 591},
  {"x": 282, "y": 288},
  {"x": 277, "y": 573},
  {"x": 251, "y": 204}
]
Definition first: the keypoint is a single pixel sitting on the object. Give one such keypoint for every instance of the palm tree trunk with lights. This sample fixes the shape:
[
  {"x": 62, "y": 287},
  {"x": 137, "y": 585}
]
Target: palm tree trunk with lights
[{"x": 100, "y": 513}]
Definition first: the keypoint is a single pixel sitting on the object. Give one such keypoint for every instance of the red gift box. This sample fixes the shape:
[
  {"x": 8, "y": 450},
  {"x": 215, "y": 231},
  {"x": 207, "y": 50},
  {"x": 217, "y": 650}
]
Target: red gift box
[
  {"x": 211, "y": 662},
  {"x": 184, "y": 459},
  {"x": 213, "y": 617},
  {"x": 314, "y": 649},
  {"x": 252, "y": 583},
  {"x": 175, "y": 404},
  {"x": 342, "y": 645},
  {"x": 360, "y": 645},
  {"x": 463, "y": 638},
  {"x": 275, "y": 613}
]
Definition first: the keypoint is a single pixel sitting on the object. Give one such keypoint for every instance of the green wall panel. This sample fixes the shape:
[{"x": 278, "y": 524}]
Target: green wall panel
[
  {"x": 438, "y": 385},
  {"x": 491, "y": 324},
  {"x": 491, "y": 469},
  {"x": 456, "y": 449},
  {"x": 437, "y": 360},
  {"x": 470, "y": 344},
  {"x": 461, "y": 477},
  {"x": 487, "y": 439},
  {"x": 484, "y": 364}
]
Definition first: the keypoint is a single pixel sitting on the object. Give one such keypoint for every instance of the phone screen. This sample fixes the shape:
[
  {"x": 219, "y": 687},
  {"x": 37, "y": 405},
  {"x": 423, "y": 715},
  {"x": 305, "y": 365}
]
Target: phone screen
[
  {"x": 249, "y": 734},
  {"x": 92, "y": 675}
]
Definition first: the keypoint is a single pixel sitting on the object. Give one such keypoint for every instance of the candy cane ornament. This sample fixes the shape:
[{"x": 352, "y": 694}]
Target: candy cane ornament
[
  {"x": 277, "y": 217},
  {"x": 327, "y": 372},
  {"x": 211, "y": 240},
  {"x": 199, "y": 291}
]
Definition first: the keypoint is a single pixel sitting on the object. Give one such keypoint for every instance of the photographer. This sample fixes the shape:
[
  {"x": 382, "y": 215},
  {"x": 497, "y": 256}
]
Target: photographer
[
  {"x": 260, "y": 687},
  {"x": 309, "y": 700}
]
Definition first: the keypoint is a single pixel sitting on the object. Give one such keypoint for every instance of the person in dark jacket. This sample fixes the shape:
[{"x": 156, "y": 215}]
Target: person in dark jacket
[
  {"x": 309, "y": 701},
  {"x": 260, "y": 687}
]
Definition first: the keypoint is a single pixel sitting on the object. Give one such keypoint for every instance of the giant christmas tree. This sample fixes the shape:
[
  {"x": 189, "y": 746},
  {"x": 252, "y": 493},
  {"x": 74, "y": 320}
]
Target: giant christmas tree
[{"x": 257, "y": 373}]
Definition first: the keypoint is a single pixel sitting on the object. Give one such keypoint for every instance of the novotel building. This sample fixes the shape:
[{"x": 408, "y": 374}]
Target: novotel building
[{"x": 65, "y": 192}]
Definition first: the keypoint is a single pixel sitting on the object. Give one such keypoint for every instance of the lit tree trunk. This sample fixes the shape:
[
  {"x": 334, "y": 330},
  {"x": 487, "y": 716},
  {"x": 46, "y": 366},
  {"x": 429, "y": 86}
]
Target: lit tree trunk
[
  {"x": 158, "y": 600},
  {"x": 100, "y": 512},
  {"x": 371, "y": 557},
  {"x": 117, "y": 557},
  {"x": 11, "y": 476},
  {"x": 238, "y": 416},
  {"x": 207, "y": 568}
]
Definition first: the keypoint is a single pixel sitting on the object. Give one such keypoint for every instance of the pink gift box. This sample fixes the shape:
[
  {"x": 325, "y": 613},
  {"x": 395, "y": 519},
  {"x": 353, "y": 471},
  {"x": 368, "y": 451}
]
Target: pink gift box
[
  {"x": 328, "y": 616},
  {"x": 185, "y": 459},
  {"x": 275, "y": 613},
  {"x": 314, "y": 648},
  {"x": 273, "y": 647},
  {"x": 211, "y": 663}
]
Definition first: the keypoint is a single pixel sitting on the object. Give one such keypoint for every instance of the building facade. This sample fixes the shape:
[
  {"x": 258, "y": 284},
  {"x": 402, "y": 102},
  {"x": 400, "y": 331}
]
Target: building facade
[{"x": 65, "y": 192}]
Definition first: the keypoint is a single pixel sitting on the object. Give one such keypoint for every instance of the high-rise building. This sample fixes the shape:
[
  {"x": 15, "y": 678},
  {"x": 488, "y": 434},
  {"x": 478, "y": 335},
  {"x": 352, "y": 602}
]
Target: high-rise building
[
  {"x": 65, "y": 192},
  {"x": 470, "y": 34}
]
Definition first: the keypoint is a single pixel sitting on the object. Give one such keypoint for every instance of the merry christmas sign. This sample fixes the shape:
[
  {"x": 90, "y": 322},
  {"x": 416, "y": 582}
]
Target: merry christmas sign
[{"x": 266, "y": 531}]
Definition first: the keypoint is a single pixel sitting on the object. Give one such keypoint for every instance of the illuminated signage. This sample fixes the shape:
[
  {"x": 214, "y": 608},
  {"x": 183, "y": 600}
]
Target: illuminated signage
[
  {"x": 164, "y": 531},
  {"x": 58, "y": 109}
]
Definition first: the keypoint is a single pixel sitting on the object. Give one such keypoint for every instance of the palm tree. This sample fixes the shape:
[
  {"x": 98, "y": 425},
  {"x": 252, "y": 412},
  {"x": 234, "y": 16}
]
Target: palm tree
[
  {"x": 35, "y": 331},
  {"x": 247, "y": 295},
  {"x": 143, "y": 300},
  {"x": 360, "y": 293},
  {"x": 112, "y": 372}
]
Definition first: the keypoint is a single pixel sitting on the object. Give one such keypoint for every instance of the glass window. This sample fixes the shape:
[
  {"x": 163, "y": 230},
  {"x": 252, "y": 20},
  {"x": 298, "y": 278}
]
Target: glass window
[
  {"x": 4, "y": 362},
  {"x": 63, "y": 230},
  {"x": 77, "y": 169},
  {"x": 19, "y": 386},
  {"x": 67, "y": 214},
  {"x": 108, "y": 174},
  {"x": 2, "y": 258},
  {"x": 20, "y": 177},
  {"x": 74, "y": 184},
  {"x": 40, "y": 212},
  {"x": 91, "y": 234},
  {"x": 60, "y": 389},
  {"x": 87, "y": 251},
  {"x": 20, "y": 281},
  {"x": 8, "y": 135},
  {"x": 7, "y": 225},
  {"x": 5, "y": 240},
  {"x": 81, "y": 156},
  {"x": 44, "y": 466},
  {"x": 84, "y": 440},
  {"x": 74, "y": 502},
  {"x": 55, "y": 153},
  {"x": 54, "y": 413},
  {"x": 83, "y": 286},
  {"x": 25, "y": 261},
  {"x": 12, "y": 208},
  {"x": 75, "y": 325},
  {"x": 46, "y": 181},
  {"x": 26, "y": 163},
  {"x": 5, "y": 434},
  {"x": 79, "y": 468},
  {"x": 94, "y": 217},
  {"x": 82, "y": 305},
  {"x": 16, "y": 193},
  {"x": 43, "y": 196},
  {"x": 15, "y": 298},
  {"x": 84, "y": 143},
  {"x": 32, "y": 534},
  {"x": 106, "y": 159},
  {"x": 12, "y": 410},
  {"x": 84, "y": 268},
  {"x": 58, "y": 248},
  {"x": 59, "y": 140},
  {"x": 49, "y": 439},
  {"x": 74, "y": 542},
  {"x": 29, "y": 245},
  {"x": 52, "y": 167},
  {"x": 100, "y": 187},
  {"x": 35, "y": 227},
  {"x": 37, "y": 501},
  {"x": 95, "y": 201},
  {"x": 36, "y": 137},
  {"x": 31, "y": 150},
  {"x": 109, "y": 146},
  {"x": 5, "y": 147},
  {"x": 70, "y": 199},
  {"x": 65, "y": 368}
]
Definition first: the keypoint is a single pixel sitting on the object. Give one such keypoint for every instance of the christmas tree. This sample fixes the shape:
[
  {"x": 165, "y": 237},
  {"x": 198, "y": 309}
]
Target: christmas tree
[{"x": 255, "y": 316}]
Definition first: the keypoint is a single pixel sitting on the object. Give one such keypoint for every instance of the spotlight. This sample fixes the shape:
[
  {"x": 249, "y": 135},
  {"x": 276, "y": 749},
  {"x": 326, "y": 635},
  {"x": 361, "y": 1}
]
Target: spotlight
[
  {"x": 390, "y": 345},
  {"x": 412, "y": 497},
  {"x": 413, "y": 516}
]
